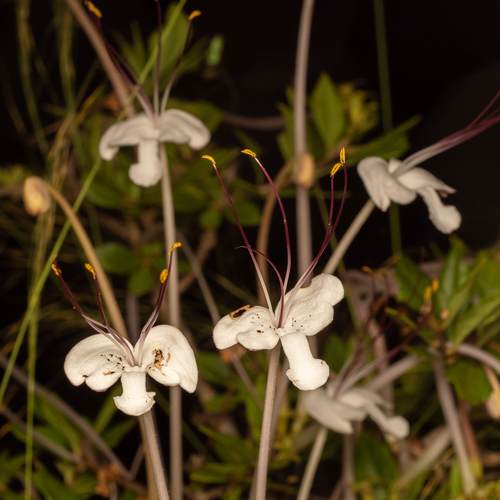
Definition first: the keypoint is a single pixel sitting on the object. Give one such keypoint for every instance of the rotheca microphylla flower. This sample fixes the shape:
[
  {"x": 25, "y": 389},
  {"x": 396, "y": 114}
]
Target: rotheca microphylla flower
[
  {"x": 100, "y": 360},
  {"x": 300, "y": 313},
  {"x": 402, "y": 181},
  {"x": 156, "y": 125}
]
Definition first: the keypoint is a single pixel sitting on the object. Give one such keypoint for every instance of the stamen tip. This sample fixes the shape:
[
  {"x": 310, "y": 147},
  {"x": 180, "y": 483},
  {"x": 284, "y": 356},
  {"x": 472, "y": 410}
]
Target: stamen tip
[
  {"x": 55, "y": 268},
  {"x": 90, "y": 268},
  {"x": 194, "y": 14},
  {"x": 342, "y": 155},
  {"x": 367, "y": 270},
  {"x": 209, "y": 158},
  {"x": 174, "y": 246},
  {"x": 164, "y": 275},
  {"x": 93, "y": 8},
  {"x": 249, "y": 153}
]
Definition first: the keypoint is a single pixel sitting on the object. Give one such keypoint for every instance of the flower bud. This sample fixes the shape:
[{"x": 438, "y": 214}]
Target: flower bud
[
  {"x": 36, "y": 196},
  {"x": 304, "y": 170}
]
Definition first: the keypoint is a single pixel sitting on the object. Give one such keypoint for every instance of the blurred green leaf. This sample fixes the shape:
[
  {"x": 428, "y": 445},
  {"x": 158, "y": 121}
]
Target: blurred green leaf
[
  {"x": 140, "y": 282},
  {"x": 213, "y": 368},
  {"x": 215, "y": 49},
  {"x": 116, "y": 258},
  {"x": 413, "y": 283},
  {"x": 207, "y": 112},
  {"x": 470, "y": 381},
  {"x": 335, "y": 352},
  {"x": 455, "y": 479},
  {"x": 248, "y": 213},
  {"x": 51, "y": 487},
  {"x": 231, "y": 449},
  {"x": 107, "y": 409},
  {"x": 216, "y": 473},
  {"x": 488, "y": 280},
  {"x": 210, "y": 219},
  {"x": 103, "y": 196},
  {"x": 374, "y": 460},
  {"x": 114, "y": 434},
  {"x": 328, "y": 112},
  {"x": 188, "y": 198}
]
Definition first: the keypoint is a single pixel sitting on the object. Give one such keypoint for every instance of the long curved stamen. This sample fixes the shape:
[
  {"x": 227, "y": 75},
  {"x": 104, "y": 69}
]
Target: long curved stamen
[
  {"x": 164, "y": 99},
  {"x": 287, "y": 236},
  {"x": 329, "y": 232},
  {"x": 245, "y": 239},
  {"x": 94, "y": 324},
  {"x": 119, "y": 62},
  {"x": 156, "y": 85},
  {"x": 113, "y": 333},
  {"x": 156, "y": 311}
]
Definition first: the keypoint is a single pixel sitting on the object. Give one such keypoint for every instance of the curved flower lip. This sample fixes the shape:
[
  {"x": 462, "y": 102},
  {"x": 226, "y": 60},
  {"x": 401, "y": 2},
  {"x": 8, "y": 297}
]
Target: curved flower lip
[
  {"x": 166, "y": 356},
  {"x": 384, "y": 185},
  {"x": 352, "y": 405}
]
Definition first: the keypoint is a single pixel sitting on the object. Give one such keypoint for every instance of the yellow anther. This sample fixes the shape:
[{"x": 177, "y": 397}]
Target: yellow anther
[
  {"x": 428, "y": 294},
  {"x": 194, "y": 14},
  {"x": 90, "y": 268},
  {"x": 175, "y": 245},
  {"x": 367, "y": 270},
  {"x": 435, "y": 285},
  {"x": 209, "y": 158},
  {"x": 335, "y": 169},
  {"x": 342, "y": 155},
  {"x": 55, "y": 269},
  {"x": 249, "y": 152},
  {"x": 92, "y": 8},
  {"x": 164, "y": 275}
]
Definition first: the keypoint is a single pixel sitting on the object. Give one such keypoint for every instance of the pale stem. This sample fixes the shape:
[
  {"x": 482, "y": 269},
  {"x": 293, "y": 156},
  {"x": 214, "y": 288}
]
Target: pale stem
[
  {"x": 154, "y": 453},
  {"x": 97, "y": 42},
  {"x": 312, "y": 464},
  {"x": 174, "y": 312},
  {"x": 88, "y": 248},
  {"x": 265, "y": 437},
  {"x": 283, "y": 383},
  {"x": 450, "y": 413},
  {"x": 303, "y": 209},
  {"x": 349, "y": 235},
  {"x": 348, "y": 478},
  {"x": 393, "y": 372}
]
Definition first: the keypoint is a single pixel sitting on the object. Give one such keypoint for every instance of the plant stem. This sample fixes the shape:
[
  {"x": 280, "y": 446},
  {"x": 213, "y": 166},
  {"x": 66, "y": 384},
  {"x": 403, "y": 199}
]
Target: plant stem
[
  {"x": 174, "y": 312},
  {"x": 475, "y": 352},
  {"x": 265, "y": 437},
  {"x": 154, "y": 453},
  {"x": 450, "y": 413},
  {"x": 348, "y": 466}
]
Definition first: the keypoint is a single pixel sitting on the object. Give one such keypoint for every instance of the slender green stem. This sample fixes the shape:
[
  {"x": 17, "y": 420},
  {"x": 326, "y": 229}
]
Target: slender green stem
[
  {"x": 174, "y": 312},
  {"x": 265, "y": 437},
  {"x": 41, "y": 282},
  {"x": 154, "y": 452}
]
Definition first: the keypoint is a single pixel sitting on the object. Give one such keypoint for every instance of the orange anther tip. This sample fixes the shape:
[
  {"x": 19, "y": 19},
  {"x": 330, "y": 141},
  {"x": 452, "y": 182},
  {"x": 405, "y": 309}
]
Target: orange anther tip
[
  {"x": 90, "y": 268},
  {"x": 435, "y": 285},
  {"x": 56, "y": 270},
  {"x": 249, "y": 152},
  {"x": 174, "y": 246},
  {"x": 163, "y": 275},
  {"x": 194, "y": 14},
  {"x": 209, "y": 158},
  {"x": 366, "y": 269},
  {"x": 335, "y": 169},
  {"x": 342, "y": 155},
  {"x": 93, "y": 8}
]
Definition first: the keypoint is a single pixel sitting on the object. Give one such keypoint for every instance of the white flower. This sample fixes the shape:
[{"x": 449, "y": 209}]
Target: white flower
[
  {"x": 300, "y": 313},
  {"x": 337, "y": 408},
  {"x": 156, "y": 125},
  {"x": 165, "y": 355},
  {"x": 309, "y": 310},
  {"x": 384, "y": 185}
]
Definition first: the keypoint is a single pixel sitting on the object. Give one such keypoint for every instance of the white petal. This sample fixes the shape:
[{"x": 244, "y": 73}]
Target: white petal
[
  {"x": 169, "y": 358},
  {"x": 180, "y": 127},
  {"x": 149, "y": 169},
  {"x": 312, "y": 307},
  {"x": 251, "y": 327},
  {"x": 135, "y": 400},
  {"x": 330, "y": 413},
  {"x": 395, "y": 426},
  {"x": 96, "y": 361},
  {"x": 418, "y": 178},
  {"x": 381, "y": 185},
  {"x": 127, "y": 133},
  {"x": 445, "y": 217},
  {"x": 358, "y": 397},
  {"x": 306, "y": 372}
]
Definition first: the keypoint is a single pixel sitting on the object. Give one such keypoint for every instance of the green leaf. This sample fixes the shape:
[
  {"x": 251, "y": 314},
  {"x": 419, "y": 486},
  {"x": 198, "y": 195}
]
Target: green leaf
[
  {"x": 335, "y": 353},
  {"x": 479, "y": 314},
  {"x": 209, "y": 114},
  {"x": 413, "y": 283},
  {"x": 374, "y": 460},
  {"x": 230, "y": 449},
  {"x": 116, "y": 258},
  {"x": 188, "y": 198},
  {"x": 140, "y": 282},
  {"x": 214, "y": 51},
  {"x": 113, "y": 435},
  {"x": 488, "y": 280},
  {"x": 328, "y": 112},
  {"x": 103, "y": 196},
  {"x": 51, "y": 487},
  {"x": 210, "y": 219},
  {"x": 216, "y": 473},
  {"x": 213, "y": 368},
  {"x": 470, "y": 381},
  {"x": 449, "y": 277},
  {"x": 248, "y": 213},
  {"x": 107, "y": 409}
]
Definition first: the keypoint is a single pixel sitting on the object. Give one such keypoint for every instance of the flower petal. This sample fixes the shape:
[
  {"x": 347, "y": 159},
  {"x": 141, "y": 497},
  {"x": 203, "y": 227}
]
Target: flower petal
[
  {"x": 127, "y": 133},
  {"x": 149, "y": 169},
  {"x": 251, "y": 327},
  {"x": 135, "y": 400},
  {"x": 306, "y": 372},
  {"x": 169, "y": 358},
  {"x": 180, "y": 127},
  {"x": 395, "y": 426},
  {"x": 445, "y": 217},
  {"x": 96, "y": 361},
  {"x": 381, "y": 185},
  {"x": 418, "y": 178},
  {"x": 330, "y": 413}
]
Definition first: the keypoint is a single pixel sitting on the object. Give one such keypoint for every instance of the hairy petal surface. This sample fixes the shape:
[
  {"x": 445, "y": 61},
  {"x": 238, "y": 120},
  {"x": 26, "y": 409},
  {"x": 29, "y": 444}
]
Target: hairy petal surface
[{"x": 169, "y": 358}]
